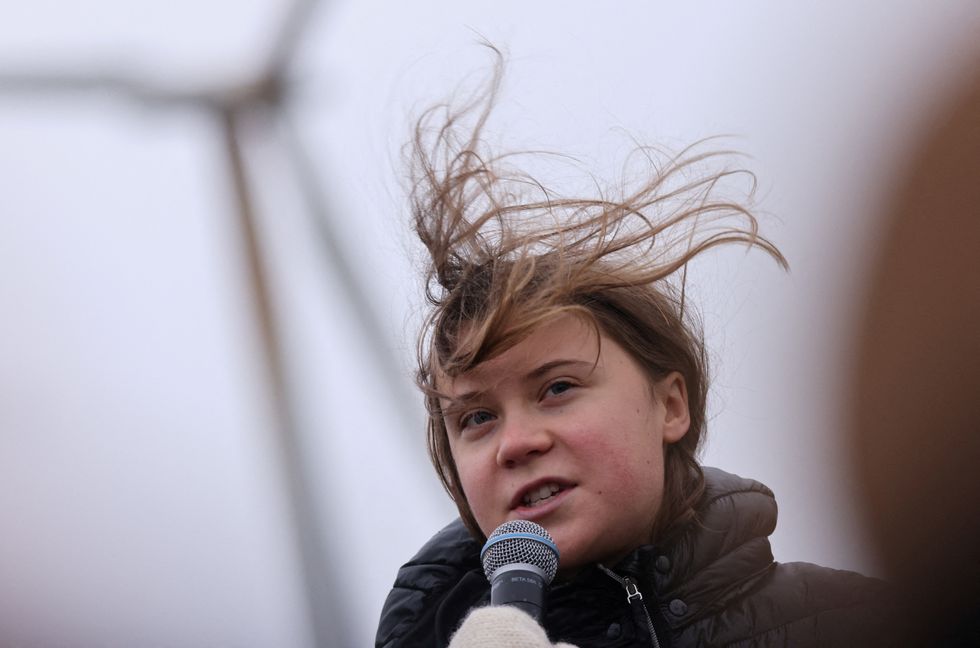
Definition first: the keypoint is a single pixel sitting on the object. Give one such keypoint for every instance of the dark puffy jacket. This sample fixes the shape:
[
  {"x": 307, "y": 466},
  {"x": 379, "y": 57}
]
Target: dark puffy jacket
[{"x": 716, "y": 586}]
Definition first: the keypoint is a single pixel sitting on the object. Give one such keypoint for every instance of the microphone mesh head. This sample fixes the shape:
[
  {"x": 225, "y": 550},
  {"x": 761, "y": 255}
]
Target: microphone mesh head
[{"x": 531, "y": 545}]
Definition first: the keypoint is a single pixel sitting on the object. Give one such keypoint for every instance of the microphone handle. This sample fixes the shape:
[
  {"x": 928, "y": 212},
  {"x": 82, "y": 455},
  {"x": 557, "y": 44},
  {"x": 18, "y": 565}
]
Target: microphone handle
[{"x": 520, "y": 585}]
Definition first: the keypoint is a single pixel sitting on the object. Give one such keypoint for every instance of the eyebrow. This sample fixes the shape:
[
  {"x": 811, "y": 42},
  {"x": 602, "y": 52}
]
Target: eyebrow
[
  {"x": 537, "y": 372},
  {"x": 548, "y": 366}
]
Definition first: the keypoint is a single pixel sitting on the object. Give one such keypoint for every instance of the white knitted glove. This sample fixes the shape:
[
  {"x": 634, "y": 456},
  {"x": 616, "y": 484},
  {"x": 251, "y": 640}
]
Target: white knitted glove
[{"x": 502, "y": 626}]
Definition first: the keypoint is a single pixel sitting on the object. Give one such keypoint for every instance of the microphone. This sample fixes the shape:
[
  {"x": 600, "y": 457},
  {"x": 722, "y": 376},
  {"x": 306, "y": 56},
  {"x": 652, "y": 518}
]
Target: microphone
[{"x": 519, "y": 560}]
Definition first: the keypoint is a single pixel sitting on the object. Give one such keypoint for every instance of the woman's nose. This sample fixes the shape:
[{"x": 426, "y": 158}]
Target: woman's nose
[{"x": 522, "y": 438}]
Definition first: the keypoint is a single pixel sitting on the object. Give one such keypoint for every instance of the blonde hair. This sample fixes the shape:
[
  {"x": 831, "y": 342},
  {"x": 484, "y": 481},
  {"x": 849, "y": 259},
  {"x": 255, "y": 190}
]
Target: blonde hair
[{"x": 501, "y": 263}]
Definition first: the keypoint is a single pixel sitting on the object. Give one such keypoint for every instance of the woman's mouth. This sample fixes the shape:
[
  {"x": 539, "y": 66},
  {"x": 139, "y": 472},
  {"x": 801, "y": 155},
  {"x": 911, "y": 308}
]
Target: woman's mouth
[{"x": 541, "y": 494}]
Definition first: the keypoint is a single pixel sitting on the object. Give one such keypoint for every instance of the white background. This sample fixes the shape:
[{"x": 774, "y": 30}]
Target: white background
[{"x": 141, "y": 500}]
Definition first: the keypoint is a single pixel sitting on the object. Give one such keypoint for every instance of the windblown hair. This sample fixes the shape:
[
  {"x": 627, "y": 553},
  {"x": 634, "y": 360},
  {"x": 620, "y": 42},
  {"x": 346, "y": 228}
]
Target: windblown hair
[{"x": 507, "y": 254}]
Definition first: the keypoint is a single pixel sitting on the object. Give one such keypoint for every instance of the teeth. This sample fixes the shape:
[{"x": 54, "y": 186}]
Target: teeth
[{"x": 540, "y": 494}]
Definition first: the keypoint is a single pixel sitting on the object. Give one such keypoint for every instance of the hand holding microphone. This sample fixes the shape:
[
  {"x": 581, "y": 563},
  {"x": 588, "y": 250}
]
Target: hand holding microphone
[{"x": 502, "y": 626}]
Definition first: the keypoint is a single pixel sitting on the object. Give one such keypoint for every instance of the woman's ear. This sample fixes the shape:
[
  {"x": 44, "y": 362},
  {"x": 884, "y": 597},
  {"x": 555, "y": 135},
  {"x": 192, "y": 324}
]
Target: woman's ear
[{"x": 672, "y": 392}]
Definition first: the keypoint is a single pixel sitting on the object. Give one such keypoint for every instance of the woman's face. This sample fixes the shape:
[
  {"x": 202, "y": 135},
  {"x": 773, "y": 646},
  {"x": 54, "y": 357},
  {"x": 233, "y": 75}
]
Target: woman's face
[{"x": 568, "y": 433}]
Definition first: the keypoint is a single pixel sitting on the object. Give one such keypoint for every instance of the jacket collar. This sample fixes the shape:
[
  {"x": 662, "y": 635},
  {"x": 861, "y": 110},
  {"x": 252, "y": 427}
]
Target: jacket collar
[{"x": 723, "y": 547}]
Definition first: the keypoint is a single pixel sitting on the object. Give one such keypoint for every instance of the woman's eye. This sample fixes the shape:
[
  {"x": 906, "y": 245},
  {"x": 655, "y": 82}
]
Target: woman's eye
[
  {"x": 559, "y": 387},
  {"x": 476, "y": 418}
]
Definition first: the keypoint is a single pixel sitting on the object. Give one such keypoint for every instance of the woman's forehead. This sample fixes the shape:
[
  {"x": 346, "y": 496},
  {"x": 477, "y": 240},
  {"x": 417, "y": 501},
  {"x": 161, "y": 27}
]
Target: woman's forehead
[{"x": 566, "y": 340}]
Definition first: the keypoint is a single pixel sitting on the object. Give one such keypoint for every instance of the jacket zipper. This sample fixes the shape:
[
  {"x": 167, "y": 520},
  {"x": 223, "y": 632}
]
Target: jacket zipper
[{"x": 635, "y": 600}]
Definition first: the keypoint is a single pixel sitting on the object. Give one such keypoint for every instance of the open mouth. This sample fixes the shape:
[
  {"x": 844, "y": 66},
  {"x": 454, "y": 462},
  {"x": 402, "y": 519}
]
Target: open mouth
[{"x": 541, "y": 494}]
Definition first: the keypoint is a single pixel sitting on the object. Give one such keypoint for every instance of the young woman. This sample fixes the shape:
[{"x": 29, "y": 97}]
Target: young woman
[{"x": 566, "y": 384}]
